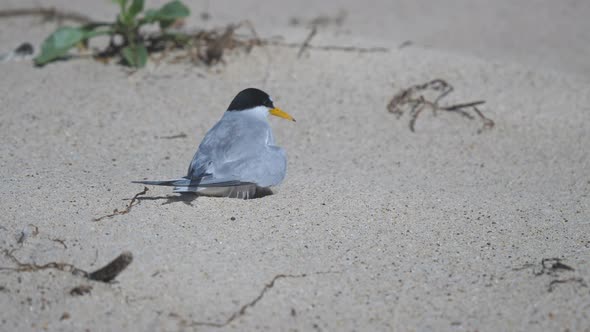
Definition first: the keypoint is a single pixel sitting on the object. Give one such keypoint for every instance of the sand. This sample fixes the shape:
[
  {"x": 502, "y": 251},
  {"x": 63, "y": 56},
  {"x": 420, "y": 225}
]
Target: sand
[{"x": 375, "y": 228}]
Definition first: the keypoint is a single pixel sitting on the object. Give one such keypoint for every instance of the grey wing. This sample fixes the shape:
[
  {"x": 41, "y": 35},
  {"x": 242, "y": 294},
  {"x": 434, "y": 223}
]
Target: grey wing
[
  {"x": 236, "y": 150},
  {"x": 266, "y": 168},
  {"x": 198, "y": 166},
  {"x": 202, "y": 161}
]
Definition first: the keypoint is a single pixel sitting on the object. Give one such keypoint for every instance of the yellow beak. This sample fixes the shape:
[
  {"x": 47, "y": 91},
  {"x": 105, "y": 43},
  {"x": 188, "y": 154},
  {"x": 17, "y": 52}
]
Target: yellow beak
[{"x": 278, "y": 112}]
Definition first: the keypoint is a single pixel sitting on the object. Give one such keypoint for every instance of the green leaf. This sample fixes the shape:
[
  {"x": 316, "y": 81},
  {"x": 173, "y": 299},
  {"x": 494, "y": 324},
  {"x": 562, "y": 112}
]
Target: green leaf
[
  {"x": 170, "y": 12},
  {"x": 174, "y": 10},
  {"x": 135, "y": 8},
  {"x": 96, "y": 32},
  {"x": 135, "y": 56},
  {"x": 58, "y": 44},
  {"x": 122, "y": 4}
]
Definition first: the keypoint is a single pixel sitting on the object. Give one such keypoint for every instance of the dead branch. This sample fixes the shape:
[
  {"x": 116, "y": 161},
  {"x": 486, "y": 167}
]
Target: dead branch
[
  {"x": 80, "y": 290},
  {"x": 252, "y": 303},
  {"x": 181, "y": 135},
  {"x": 305, "y": 43},
  {"x": 340, "y": 48},
  {"x": 553, "y": 284},
  {"x": 554, "y": 268},
  {"x": 104, "y": 274},
  {"x": 32, "y": 267},
  {"x": 552, "y": 265},
  {"x": 215, "y": 49},
  {"x": 47, "y": 14},
  {"x": 203, "y": 46},
  {"x": 134, "y": 201},
  {"x": 112, "y": 269},
  {"x": 414, "y": 99}
]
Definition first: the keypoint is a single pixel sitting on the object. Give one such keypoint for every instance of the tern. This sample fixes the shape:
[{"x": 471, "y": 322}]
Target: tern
[{"x": 238, "y": 156}]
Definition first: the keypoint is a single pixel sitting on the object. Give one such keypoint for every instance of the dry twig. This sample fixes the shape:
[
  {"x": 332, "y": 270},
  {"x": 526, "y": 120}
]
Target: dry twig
[
  {"x": 339, "y": 48},
  {"x": 202, "y": 46},
  {"x": 554, "y": 268},
  {"x": 112, "y": 269},
  {"x": 551, "y": 266},
  {"x": 47, "y": 14},
  {"x": 181, "y": 135},
  {"x": 414, "y": 99},
  {"x": 80, "y": 290},
  {"x": 104, "y": 274},
  {"x": 30, "y": 267},
  {"x": 553, "y": 284},
  {"x": 206, "y": 46},
  {"x": 305, "y": 43},
  {"x": 242, "y": 311},
  {"x": 134, "y": 201}
]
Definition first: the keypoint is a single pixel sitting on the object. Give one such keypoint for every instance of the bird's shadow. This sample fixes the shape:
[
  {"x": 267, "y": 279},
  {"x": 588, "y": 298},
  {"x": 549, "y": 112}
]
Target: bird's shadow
[{"x": 188, "y": 198}]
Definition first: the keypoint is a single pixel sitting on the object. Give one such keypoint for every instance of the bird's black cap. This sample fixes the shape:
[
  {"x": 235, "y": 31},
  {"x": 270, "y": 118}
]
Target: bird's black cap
[{"x": 250, "y": 98}]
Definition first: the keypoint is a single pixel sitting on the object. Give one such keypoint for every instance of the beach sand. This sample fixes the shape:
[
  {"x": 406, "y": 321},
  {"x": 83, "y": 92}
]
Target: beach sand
[{"x": 375, "y": 228}]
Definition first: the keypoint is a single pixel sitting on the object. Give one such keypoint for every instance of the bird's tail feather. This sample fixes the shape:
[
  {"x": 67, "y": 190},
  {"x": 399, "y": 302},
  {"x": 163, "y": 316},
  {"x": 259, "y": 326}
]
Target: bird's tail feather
[
  {"x": 196, "y": 182},
  {"x": 213, "y": 187},
  {"x": 169, "y": 183},
  {"x": 243, "y": 191}
]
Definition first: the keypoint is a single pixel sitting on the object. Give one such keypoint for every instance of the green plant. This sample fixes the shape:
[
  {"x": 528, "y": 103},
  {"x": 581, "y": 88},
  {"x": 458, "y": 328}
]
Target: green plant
[{"x": 132, "y": 17}]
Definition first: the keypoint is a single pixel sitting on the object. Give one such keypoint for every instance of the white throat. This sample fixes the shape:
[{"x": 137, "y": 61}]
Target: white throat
[{"x": 258, "y": 112}]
